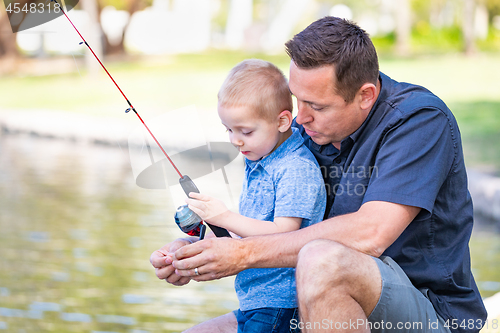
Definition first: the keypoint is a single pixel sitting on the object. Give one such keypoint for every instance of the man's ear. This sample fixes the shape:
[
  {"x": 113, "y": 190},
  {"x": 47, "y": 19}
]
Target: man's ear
[
  {"x": 285, "y": 119},
  {"x": 367, "y": 95}
]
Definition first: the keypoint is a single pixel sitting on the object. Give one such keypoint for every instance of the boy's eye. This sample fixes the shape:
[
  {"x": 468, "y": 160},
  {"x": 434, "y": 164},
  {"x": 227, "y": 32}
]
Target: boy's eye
[{"x": 246, "y": 133}]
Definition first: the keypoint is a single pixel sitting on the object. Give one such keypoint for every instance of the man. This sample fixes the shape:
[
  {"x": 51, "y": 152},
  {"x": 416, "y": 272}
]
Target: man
[{"x": 392, "y": 254}]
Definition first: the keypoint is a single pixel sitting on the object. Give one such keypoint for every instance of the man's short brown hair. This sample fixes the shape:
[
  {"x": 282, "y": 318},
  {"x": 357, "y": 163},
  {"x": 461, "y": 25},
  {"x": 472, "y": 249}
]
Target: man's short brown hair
[
  {"x": 341, "y": 43},
  {"x": 259, "y": 85}
]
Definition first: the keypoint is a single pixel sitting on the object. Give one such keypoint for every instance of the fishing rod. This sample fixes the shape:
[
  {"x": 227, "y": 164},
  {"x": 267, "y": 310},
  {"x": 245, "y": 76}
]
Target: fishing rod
[{"x": 185, "y": 218}]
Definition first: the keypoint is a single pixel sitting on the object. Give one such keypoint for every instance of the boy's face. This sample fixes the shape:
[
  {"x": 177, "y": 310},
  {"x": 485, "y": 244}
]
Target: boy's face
[{"x": 254, "y": 136}]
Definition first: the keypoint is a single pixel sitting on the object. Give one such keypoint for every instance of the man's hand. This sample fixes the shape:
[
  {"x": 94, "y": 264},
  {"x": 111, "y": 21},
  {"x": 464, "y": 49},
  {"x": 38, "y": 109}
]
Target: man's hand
[
  {"x": 162, "y": 262},
  {"x": 206, "y": 207},
  {"x": 214, "y": 258}
]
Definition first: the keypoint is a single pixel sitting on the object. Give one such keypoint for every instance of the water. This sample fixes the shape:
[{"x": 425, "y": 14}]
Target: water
[
  {"x": 76, "y": 234},
  {"x": 485, "y": 253}
]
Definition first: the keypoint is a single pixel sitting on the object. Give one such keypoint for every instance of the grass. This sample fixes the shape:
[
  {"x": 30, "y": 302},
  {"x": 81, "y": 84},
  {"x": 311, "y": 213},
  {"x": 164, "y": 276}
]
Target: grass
[
  {"x": 480, "y": 127},
  {"x": 154, "y": 85},
  {"x": 168, "y": 82}
]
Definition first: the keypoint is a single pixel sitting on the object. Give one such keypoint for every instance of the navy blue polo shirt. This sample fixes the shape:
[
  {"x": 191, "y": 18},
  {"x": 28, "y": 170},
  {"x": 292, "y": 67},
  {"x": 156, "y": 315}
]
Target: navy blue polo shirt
[{"x": 408, "y": 151}]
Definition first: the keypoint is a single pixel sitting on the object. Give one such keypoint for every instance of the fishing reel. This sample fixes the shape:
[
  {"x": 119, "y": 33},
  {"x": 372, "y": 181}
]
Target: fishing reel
[{"x": 188, "y": 221}]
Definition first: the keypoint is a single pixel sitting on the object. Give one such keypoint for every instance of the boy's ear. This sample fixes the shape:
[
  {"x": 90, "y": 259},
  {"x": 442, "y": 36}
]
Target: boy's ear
[{"x": 285, "y": 119}]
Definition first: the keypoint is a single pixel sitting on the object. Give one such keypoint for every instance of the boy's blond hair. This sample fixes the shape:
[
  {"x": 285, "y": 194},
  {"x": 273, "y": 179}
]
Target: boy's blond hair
[{"x": 259, "y": 85}]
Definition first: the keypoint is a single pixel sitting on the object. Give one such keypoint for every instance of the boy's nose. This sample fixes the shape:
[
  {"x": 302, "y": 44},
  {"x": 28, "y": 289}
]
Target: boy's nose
[{"x": 237, "y": 142}]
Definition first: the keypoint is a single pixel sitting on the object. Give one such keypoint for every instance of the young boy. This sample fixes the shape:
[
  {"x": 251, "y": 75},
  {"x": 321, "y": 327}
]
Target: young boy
[{"x": 283, "y": 188}]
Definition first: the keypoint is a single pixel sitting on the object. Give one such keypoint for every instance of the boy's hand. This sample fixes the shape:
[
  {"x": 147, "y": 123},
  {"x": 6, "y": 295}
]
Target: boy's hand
[{"x": 206, "y": 207}]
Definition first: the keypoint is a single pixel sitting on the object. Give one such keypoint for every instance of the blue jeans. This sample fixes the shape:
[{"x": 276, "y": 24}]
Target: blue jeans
[{"x": 268, "y": 320}]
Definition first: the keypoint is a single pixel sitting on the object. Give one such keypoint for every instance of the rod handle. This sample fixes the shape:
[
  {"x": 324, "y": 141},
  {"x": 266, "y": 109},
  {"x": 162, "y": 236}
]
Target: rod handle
[{"x": 188, "y": 186}]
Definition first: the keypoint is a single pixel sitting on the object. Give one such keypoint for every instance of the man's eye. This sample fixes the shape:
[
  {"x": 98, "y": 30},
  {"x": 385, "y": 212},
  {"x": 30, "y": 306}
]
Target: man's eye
[{"x": 316, "y": 108}]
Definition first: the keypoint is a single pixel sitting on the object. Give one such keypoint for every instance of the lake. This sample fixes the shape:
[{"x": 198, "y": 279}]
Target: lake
[{"x": 76, "y": 236}]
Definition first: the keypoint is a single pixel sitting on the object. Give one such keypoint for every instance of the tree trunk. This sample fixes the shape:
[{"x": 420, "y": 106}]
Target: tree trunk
[
  {"x": 131, "y": 7},
  {"x": 93, "y": 37},
  {"x": 238, "y": 21},
  {"x": 8, "y": 46},
  {"x": 282, "y": 24},
  {"x": 468, "y": 27},
  {"x": 403, "y": 27}
]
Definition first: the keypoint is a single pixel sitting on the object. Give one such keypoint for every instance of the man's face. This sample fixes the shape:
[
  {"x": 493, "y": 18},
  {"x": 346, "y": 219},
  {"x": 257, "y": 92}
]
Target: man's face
[{"x": 325, "y": 115}]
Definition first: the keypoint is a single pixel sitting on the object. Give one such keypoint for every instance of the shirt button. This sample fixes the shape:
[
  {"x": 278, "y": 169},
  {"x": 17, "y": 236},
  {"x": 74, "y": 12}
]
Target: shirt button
[{"x": 338, "y": 160}]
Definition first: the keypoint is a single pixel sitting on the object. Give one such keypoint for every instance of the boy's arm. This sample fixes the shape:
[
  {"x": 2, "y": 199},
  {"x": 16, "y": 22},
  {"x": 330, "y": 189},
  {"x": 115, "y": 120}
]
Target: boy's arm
[
  {"x": 246, "y": 226},
  {"x": 215, "y": 212}
]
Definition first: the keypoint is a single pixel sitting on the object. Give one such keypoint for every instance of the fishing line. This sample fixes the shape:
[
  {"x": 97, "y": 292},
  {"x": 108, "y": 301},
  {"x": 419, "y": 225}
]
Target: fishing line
[
  {"x": 78, "y": 69},
  {"x": 130, "y": 104},
  {"x": 185, "y": 218}
]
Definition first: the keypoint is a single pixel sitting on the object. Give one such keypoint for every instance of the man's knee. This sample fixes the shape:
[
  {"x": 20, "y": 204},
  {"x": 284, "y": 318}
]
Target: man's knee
[
  {"x": 328, "y": 269},
  {"x": 323, "y": 262}
]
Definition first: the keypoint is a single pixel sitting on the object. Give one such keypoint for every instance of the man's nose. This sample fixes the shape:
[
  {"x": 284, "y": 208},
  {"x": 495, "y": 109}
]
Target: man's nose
[{"x": 303, "y": 116}]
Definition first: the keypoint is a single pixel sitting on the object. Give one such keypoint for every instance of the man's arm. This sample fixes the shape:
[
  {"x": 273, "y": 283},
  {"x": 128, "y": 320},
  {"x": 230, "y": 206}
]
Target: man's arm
[{"x": 370, "y": 230}]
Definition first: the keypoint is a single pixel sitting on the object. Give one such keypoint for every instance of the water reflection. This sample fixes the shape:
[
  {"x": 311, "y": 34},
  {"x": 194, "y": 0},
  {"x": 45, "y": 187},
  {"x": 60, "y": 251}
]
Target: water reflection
[
  {"x": 76, "y": 235},
  {"x": 485, "y": 252}
]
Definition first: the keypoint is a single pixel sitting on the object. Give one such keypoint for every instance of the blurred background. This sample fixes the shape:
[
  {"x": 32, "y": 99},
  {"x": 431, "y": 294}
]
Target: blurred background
[{"x": 76, "y": 231}]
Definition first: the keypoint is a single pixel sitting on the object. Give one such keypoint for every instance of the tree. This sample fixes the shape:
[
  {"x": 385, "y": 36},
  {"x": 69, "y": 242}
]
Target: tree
[
  {"x": 131, "y": 6},
  {"x": 8, "y": 47},
  {"x": 403, "y": 27},
  {"x": 468, "y": 26}
]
